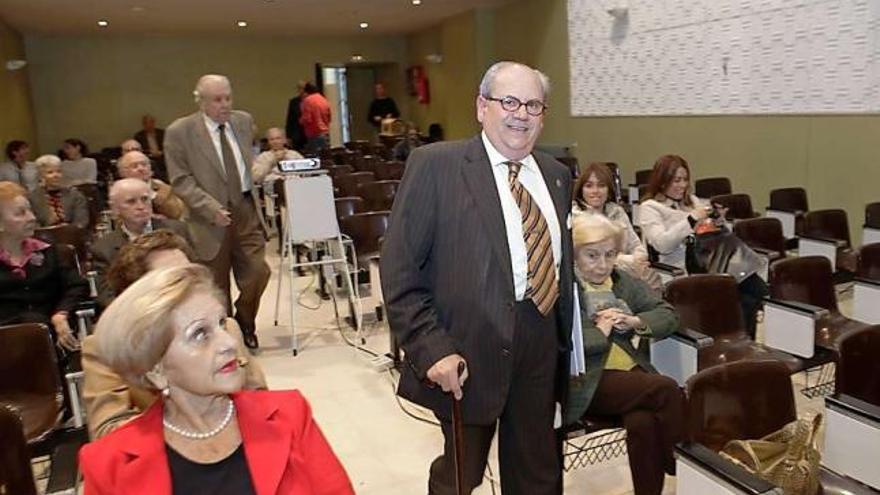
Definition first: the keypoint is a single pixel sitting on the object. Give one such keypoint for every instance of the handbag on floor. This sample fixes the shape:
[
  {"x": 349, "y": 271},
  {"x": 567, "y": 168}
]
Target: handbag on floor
[{"x": 789, "y": 457}]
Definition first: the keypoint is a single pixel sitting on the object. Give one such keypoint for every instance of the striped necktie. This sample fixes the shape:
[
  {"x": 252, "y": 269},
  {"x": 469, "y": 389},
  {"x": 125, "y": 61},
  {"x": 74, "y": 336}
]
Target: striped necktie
[{"x": 543, "y": 289}]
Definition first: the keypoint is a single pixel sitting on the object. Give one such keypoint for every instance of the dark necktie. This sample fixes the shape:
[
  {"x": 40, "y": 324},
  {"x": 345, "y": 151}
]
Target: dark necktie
[
  {"x": 543, "y": 289},
  {"x": 233, "y": 178}
]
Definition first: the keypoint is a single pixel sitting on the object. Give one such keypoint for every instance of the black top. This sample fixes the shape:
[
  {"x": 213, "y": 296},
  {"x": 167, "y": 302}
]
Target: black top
[
  {"x": 382, "y": 107},
  {"x": 229, "y": 476}
]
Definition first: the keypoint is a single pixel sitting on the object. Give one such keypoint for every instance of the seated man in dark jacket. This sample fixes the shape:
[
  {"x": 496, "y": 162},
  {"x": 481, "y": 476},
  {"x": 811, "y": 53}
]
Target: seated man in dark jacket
[{"x": 619, "y": 317}]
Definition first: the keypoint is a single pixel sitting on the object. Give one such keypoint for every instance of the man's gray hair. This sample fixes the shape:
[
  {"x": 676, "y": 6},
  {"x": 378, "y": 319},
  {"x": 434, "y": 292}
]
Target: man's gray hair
[
  {"x": 204, "y": 81},
  {"x": 47, "y": 161},
  {"x": 122, "y": 184},
  {"x": 492, "y": 72}
]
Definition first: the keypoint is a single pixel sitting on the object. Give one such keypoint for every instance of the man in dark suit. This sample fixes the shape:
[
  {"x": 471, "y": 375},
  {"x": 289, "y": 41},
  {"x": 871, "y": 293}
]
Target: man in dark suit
[
  {"x": 130, "y": 201},
  {"x": 150, "y": 137},
  {"x": 293, "y": 128},
  {"x": 209, "y": 157},
  {"x": 477, "y": 269}
]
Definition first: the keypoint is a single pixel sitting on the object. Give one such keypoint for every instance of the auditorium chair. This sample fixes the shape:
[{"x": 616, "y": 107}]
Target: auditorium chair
[
  {"x": 789, "y": 205},
  {"x": 858, "y": 369},
  {"x": 16, "y": 474},
  {"x": 740, "y": 401},
  {"x": 365, "y": 230},
  {"x": 763, "y": 235},
  {"x": 366, "y": 163},
  {"x": 826, "y": 233},
  {"x": 347, "y": 184},
  {"x": 571, "y": 163},
  {"x": 866, "y": 286},
  {"x": 94, "y": 201},
  {"x": 708, "y": 305},
  {"x": 643, "y": 176},
  {"x": 383, "y": 149},
  {"x": 638, "y": 188},
  {"x": 739, "y": 206},
  {"x": 712, "y": 186},
  {"x": 392, "y": 170},
  {"x": 358, "y": 145},
  {"x": 342, "y": 156},
  {"x": 348, "y": 206},
  {"x": 68, "y": 234},
  {"x": 379, "y": 195},
  {"x": 871, "y": 227},
  {"x": 801, "y": 316},
  {"x": 337, "y": 170}
]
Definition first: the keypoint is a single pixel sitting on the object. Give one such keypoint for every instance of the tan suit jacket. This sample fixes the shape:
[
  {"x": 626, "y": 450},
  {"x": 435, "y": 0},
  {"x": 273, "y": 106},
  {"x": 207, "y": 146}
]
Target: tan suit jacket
[
  {"x": 110, "y": 401},
  {"x": 198, "y": 176}
]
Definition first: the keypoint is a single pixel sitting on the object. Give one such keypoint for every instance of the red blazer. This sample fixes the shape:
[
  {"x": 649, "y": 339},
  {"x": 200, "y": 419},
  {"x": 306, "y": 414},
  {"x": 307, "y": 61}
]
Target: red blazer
[{"x": 285, "y": 451}]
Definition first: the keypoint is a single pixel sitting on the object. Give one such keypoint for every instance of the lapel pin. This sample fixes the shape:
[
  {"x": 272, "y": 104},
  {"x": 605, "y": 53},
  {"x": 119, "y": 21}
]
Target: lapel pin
[{"x": 558, "y": 183}]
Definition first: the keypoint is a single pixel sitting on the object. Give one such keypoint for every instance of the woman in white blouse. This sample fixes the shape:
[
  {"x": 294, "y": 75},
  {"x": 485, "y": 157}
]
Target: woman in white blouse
[
  {"x": 78, "y": 168},
  {"x": 669, "y": 215}
]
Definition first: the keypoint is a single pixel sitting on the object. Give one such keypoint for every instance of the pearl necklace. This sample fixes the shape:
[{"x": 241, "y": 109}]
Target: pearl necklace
[{"x": 208, "y": 434}]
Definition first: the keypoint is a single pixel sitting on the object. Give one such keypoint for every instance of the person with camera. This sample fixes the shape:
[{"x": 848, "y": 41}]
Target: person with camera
[{"x": 691, "y": 234}]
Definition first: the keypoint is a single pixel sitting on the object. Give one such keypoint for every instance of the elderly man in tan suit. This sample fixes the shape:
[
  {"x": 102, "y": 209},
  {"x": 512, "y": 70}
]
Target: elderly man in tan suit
[{"x": 209, "y": 157}]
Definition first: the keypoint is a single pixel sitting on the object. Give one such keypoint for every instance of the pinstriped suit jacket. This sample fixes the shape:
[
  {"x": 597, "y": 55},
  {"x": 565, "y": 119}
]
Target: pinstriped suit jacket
[{"x": 446, "y": 274}]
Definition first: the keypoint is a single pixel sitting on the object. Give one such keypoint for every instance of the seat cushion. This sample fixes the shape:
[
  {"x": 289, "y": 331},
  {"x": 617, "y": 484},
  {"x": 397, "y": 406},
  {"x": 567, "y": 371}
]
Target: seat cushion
[
  {"x": 39, "y": 413},
  {"x": 727, "y": 349}
]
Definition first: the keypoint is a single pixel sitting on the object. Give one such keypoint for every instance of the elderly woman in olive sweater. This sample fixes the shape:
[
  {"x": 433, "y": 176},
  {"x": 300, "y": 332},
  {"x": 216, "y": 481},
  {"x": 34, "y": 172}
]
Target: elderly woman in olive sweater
[{"x": 620, "y": 315}]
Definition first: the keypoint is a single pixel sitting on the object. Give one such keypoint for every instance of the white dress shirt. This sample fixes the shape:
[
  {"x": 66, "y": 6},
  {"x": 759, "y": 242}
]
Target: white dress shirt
[
  {"x": 214, "y": 132},
  {"x": 533, "y": 181}
]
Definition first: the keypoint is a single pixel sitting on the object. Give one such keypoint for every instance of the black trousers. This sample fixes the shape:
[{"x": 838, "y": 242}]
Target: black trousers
[
  {"x": 526, "y": 441},
  {"x": 651, "y": 407}
]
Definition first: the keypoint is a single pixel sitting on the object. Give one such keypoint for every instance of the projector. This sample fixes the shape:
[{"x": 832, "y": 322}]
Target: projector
[{"x": 299, "y": 165}]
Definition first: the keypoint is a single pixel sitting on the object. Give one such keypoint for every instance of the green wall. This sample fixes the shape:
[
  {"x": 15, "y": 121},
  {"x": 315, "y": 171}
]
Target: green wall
[
  {"x": 17, "y": 118},
  {"x": 837, "y": 158},
  {"x": 97, "y": 88}
]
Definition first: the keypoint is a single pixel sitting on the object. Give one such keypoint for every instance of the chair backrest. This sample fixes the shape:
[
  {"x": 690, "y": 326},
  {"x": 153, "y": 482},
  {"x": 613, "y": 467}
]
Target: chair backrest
[
  {"x": 93, "y": 198},
  {"x": 739, "y": 205},
  {"x": 643, "y": 176},
  {"x": 16, "y": 474},
  {"x": 392, "y": 170},
  {"x": 739, "y": 400},
  {"x": 807, "y": 279},
  {"x": 379, "y": 195},
  {"x": 869, "y": 261},
  {"x": 571, "y": 163},
  {"x": 762, "y": 232},
  {"x": 348, "y": 206},
  {"x": 712, "y": 186},
  {"x": 383, "y": 149},
  {"x": 707, "y": 303},
  {"x": 827, "y": 223},
  {"x": 791, "y": 199},
  {"x": 367, "y": 163},
  {"x": 361, "y": 145},
  {"x": 365, "y": 229},
  {"x": 66, "y": 234},
  {"x": 347, "y": 183},
  {"x": 872, "y": 215},
  {"x": 858, "y": 370},
  {"x": 337, "y": 170}
]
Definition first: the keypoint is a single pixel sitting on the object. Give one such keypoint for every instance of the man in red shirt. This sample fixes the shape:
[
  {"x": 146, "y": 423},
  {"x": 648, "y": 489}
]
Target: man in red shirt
[{"x": 315, "y": 119}]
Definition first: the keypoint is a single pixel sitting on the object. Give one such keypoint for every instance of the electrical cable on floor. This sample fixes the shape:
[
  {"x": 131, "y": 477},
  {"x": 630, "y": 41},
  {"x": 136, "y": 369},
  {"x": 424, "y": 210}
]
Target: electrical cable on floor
[{"x": 303, "y": 292}]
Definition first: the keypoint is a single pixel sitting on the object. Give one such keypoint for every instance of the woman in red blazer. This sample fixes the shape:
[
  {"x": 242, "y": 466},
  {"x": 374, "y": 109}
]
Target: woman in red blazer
[{"x": 206, "y": 435}]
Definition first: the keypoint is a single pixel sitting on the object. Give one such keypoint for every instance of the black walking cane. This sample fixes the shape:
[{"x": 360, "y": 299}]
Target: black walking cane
[{"x": 458, "y": 439}]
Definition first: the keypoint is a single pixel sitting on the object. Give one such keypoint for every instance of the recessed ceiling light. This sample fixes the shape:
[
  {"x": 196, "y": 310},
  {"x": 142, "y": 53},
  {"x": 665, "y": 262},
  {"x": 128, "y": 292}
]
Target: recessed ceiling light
[
  {"x": 242, "y": 24},
  {"x": 103, "y": 23},
  {"x": 365, "y": 25},
  {"x": 357, "y": 58},
  {"x": 417, "y": 2}
]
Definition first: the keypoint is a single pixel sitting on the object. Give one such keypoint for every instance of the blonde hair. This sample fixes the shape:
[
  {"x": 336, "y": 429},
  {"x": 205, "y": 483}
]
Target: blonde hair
[
  {"x": 10, "y": 190},
  {"x": 590, "y": 228},
  {"x": 134, "y": 332}
]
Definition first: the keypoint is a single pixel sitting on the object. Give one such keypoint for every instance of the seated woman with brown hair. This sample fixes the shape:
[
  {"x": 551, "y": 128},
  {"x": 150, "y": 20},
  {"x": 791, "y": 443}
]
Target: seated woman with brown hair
[
  {"x": 35, "y": 286},
  {"x": 109, "y": 400},
  {"x": 619, "y": 316},
  {"x": 205, "y": 434},
  {"x": 54, "y": 202}
]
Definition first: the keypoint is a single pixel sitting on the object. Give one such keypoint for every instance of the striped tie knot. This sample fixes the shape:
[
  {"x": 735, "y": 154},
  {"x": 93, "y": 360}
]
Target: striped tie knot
[{"x": 513, "y": 169}]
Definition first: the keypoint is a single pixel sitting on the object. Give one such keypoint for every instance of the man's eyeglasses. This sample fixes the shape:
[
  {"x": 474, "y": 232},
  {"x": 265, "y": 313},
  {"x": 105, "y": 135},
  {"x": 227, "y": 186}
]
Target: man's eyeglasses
[{"x": 535, "y": 108}]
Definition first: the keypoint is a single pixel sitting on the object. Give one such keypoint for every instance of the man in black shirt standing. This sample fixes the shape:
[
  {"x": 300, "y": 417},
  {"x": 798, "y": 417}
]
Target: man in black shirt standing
[
  {"x": 293, "y": 128},
  {"x": 382, "y": 107}
]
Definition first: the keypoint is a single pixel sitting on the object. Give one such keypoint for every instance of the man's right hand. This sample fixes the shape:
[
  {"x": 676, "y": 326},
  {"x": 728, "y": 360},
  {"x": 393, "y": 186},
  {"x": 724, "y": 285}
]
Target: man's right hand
[
  {"x": 223, "y": 217},
  {"x": 445, "y": 373}
]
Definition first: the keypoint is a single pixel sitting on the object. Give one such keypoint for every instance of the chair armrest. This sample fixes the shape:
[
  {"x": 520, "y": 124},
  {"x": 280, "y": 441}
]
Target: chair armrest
[
  {"x": 709, "y": 461},
  {"x": 764, "y": 251},
  {"x": 799, "y": 307},
  {"x": 867, "y": 281},
  {"x": 692, "y": 338},
  {"x": 837, "y": 242},
  {"x": 797, "y": 213},
  {"x": 669, "y": 269},
  {"x": 856, "y": 407}
]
